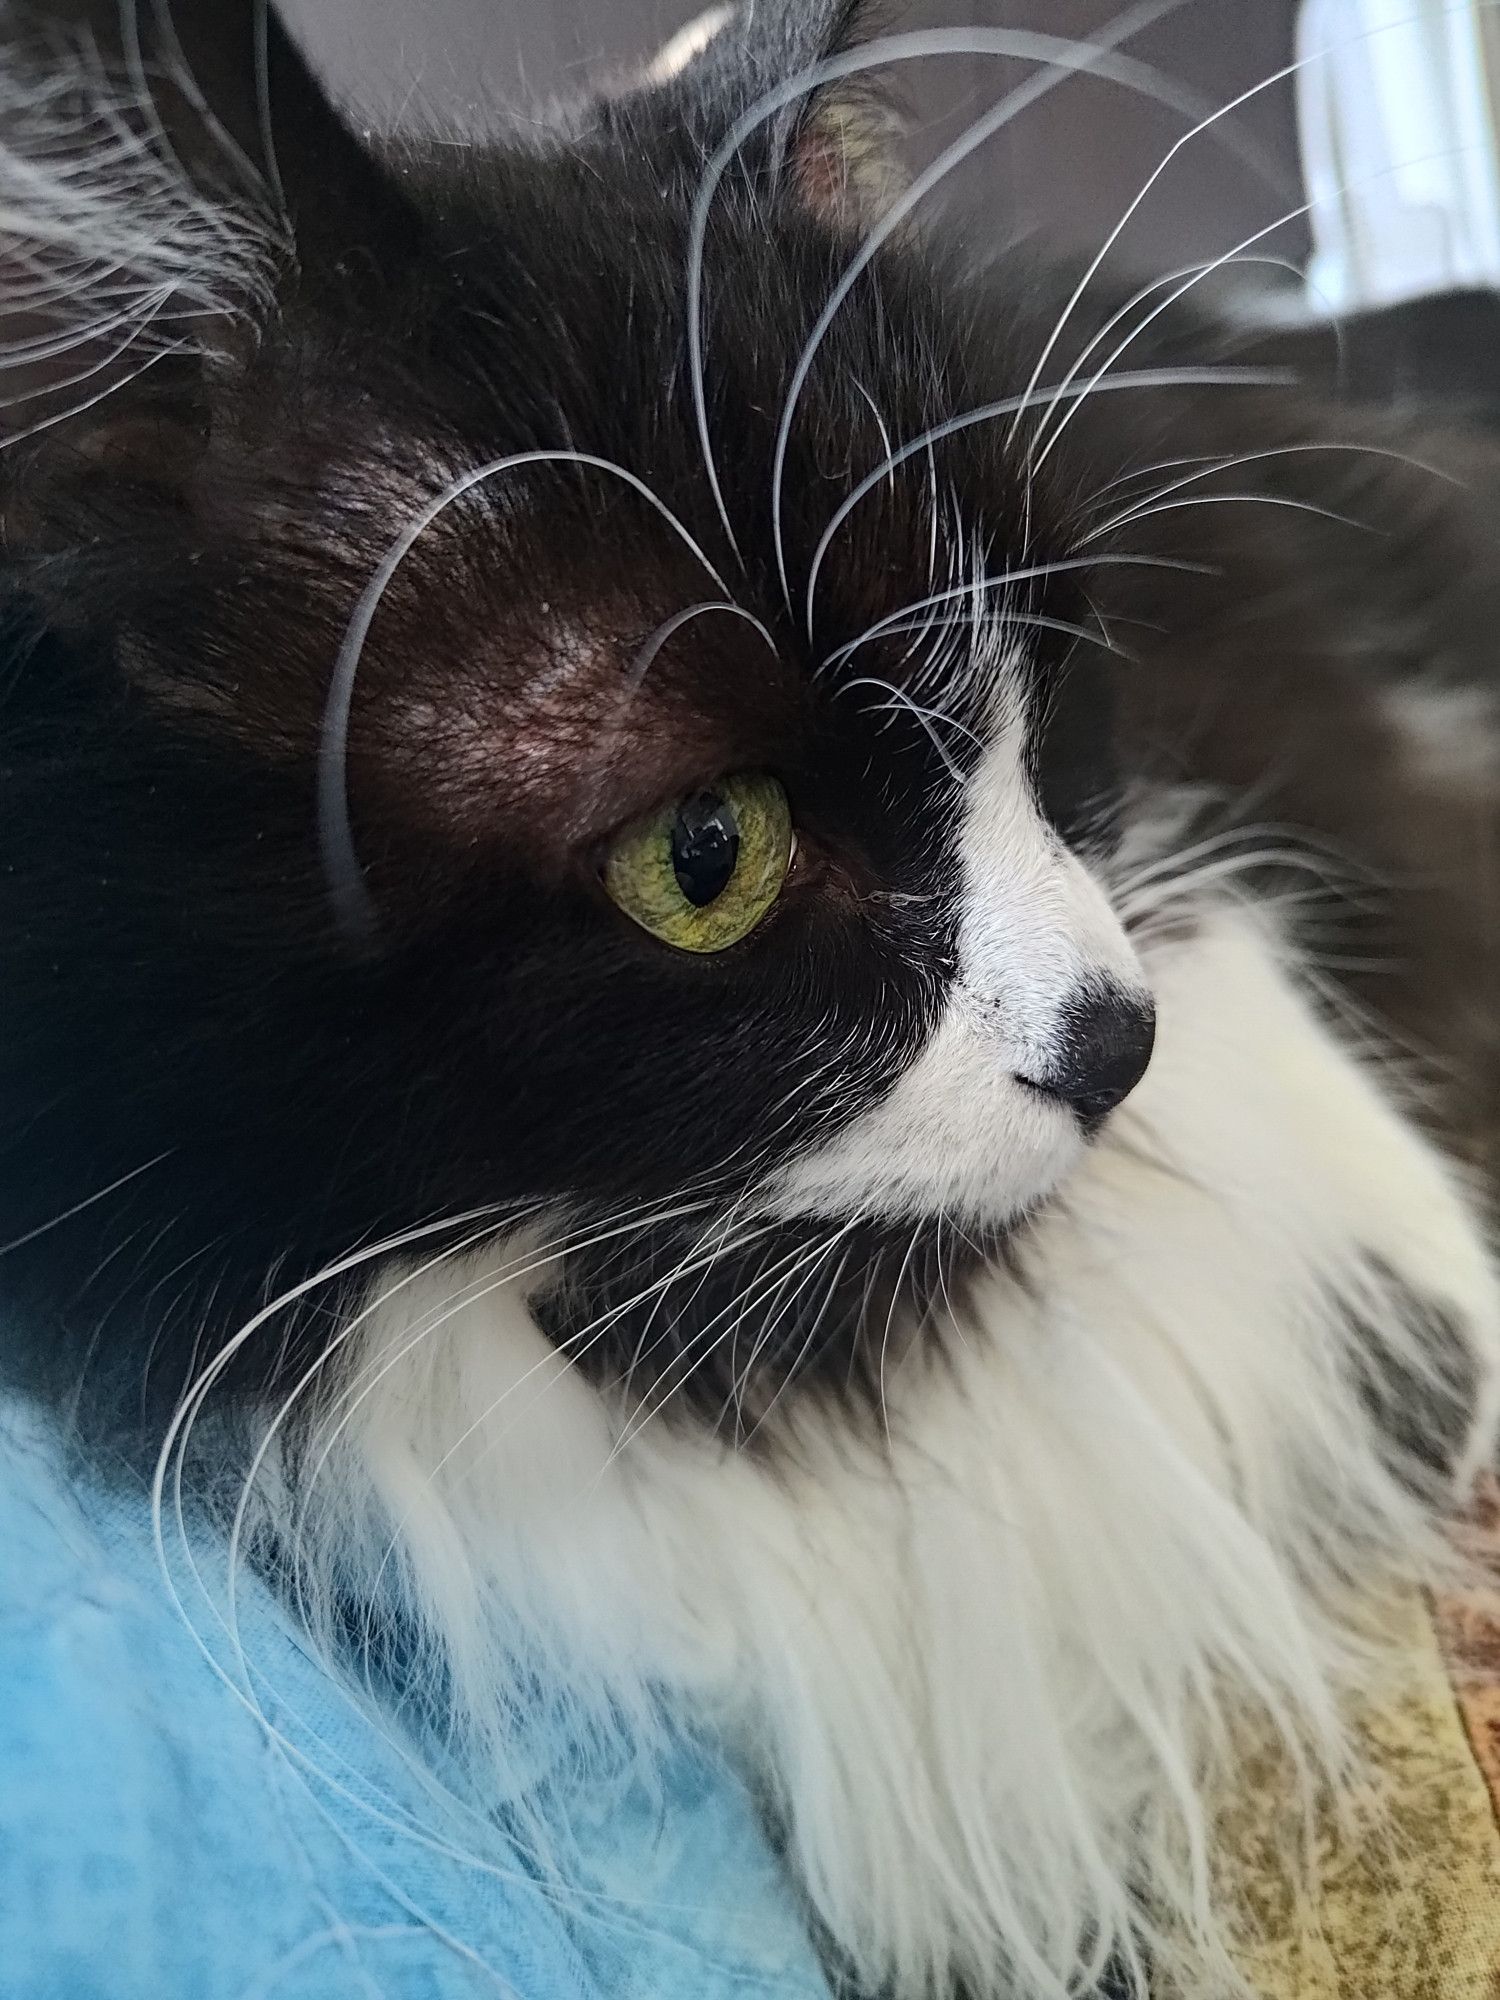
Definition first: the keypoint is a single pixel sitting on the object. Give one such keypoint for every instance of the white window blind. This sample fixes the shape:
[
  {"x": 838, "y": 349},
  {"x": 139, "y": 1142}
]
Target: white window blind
[{"x": 1396, "y": 108}]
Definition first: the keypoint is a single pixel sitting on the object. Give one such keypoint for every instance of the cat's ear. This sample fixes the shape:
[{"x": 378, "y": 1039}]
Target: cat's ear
[
  {"x": 162, "y": 169},
  {"x": 830, "y": 141}
]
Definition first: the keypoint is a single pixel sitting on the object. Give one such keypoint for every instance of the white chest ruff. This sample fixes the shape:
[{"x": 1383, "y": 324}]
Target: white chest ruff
[{"x": 972, "y": 1661}]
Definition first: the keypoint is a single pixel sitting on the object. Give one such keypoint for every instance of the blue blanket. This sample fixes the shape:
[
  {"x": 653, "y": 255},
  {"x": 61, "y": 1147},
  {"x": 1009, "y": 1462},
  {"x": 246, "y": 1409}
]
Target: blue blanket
[{"x": 161, "y": 1840}]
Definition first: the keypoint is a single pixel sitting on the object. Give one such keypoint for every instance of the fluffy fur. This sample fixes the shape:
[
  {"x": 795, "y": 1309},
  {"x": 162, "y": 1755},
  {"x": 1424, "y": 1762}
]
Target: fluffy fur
[
  {"x": 989, "y": 1662},
  {"x": 111, "y": 260},
  {"x": 848, "y": 1341}
]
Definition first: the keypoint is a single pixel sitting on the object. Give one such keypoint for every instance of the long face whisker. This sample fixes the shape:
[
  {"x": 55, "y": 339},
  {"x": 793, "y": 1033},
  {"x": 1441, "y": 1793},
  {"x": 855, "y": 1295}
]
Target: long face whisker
[
  {"x": 1178, "y": 146},
  {"x": 467, "y": 1296},
  {"x": 641, "y": 665},
  {"x": 573, "y": 1350},
  {"x": 173, "y": 1447},
  {"x": 1061, "y": 65},
  {"x": 515, "y": 1271},
  {"x": 794, "y": 1368},
  {"x": 351, "y": 899},
  {"x": 728, "y": 1224},
  {"x": 570, "y": 1353},
  {"x": 100, "y": 1194},
  {"x": 699, "y": 1262},
  {"x": 297, "y": 1754},
  {"x": 890, "y": 1320},
  {"x": 172, "y": 1457},
  {"x": 796, "y": 1261},
  {"x": 883, "y": 627},
  {"x": 927, "y": 718},
  {"x": 985, "y": 413},
  {"x": 1234, "y": 462},
  {"x": 1036, "y": 620},
  {"x": 1184, "y": 278},
  {"x": 1210, "y": 461},
  {"x": 1056, "y": 52},
  {"x": 1245, "y": 500},
  {"x": 880, "y": 423},
  {"x": 1052, "y": 426}
]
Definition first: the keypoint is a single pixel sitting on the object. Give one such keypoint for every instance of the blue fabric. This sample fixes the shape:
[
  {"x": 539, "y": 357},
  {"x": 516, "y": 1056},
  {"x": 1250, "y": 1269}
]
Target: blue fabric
[{"x": 158, "y": 1842}]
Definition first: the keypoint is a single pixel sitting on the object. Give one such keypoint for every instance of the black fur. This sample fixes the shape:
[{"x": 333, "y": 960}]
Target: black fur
[{"x": 212, "y": 1089}]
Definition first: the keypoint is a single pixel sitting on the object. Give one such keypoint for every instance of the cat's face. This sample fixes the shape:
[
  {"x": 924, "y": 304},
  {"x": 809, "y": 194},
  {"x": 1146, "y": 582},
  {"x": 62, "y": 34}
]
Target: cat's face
[{"x": 679, "y": 863}]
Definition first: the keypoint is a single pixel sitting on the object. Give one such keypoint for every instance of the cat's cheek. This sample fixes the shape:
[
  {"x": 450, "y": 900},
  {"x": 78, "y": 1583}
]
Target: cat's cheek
[{"x": 957, "y": 1134}]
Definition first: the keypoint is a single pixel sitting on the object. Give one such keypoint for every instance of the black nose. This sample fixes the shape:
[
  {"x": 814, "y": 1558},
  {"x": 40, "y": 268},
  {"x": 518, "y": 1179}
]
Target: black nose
[{"x": 1104, "y": 1047}]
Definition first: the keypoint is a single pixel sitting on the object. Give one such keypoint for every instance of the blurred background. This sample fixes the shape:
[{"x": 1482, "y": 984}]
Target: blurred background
[
  {"x": 1370, "y": 125},
  {"x": 1066, "y": 169}
]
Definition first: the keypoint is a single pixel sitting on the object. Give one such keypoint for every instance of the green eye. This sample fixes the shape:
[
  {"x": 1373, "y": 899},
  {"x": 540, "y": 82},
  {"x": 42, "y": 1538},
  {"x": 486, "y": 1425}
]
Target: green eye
[{"x": 701, "y": 873}]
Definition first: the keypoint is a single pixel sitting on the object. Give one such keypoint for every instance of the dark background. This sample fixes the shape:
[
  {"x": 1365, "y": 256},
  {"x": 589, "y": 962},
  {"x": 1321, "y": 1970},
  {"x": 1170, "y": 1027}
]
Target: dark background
[{"x": 1065, "y": 170}]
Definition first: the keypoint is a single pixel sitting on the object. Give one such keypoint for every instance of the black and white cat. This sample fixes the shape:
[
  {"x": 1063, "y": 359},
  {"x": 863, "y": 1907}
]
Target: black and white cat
[{"x": 783, "y": 986}]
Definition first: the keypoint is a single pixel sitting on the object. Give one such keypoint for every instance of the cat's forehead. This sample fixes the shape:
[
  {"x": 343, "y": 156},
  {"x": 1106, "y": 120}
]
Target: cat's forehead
[{"x": 675, "y": 594}]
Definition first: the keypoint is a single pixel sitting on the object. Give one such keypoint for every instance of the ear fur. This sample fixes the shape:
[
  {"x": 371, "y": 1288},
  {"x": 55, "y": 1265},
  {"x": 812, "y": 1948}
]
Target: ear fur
[
  {"x": 231, "y": 95},
  {"x": 838, "y": 148},
  {"x": 163, "y": 170}
]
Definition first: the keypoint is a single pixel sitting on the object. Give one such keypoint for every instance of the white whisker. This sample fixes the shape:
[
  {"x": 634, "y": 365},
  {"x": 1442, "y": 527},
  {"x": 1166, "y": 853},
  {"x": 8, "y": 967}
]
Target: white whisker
[
  {"x": 1184, "y": 277},
  {"x": 1047, "y": 439},
  {"x": 641, "y": 665},
  {"x": 1146, "y": 378},
  {"x": 1030, "y": 573},
  {"x": 793, "y": 1262},
  {"x": 792, "y": 1369},
  {"x": 1070, "y": 56},
  {"x": 352, "y": 902},
  {"x": 1243, "y": 500},
  {"x": 928, "y": 719},
  {"x": 885, "y": 1337},
  {"x": 102, "y": 1194},
  {"x": 1062, "y": 63},
  {"x": 1234, "y": 463},
  {"x": 1177, "y": 146}
]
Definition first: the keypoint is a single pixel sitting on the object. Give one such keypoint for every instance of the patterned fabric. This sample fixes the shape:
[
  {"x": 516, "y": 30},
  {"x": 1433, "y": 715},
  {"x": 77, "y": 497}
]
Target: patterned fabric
[{"x": 1410, "y": 1911}]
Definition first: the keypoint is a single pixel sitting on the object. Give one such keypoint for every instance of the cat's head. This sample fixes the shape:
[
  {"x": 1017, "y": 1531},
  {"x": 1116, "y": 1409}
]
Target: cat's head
[{"x": 486, "y": 724}]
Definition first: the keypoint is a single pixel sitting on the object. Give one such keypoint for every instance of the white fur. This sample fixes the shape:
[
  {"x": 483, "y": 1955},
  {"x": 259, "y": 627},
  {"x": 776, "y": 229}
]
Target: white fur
[
  {"x": 979, "y": 1663},
  {"x": 959, "y": 1132},
  {"x": 978, "y": 1657}
]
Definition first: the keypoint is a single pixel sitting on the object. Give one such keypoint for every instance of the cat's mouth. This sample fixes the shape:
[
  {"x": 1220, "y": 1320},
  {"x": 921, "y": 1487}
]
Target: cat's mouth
[
  {"x": 1105, "y": 1052},
  {"x": 988, "y": 1119},
  {"x": 828, "y": 1277},
  {"x": 959, "y": 1136},
  {"x": 1090, "y": 1118}
]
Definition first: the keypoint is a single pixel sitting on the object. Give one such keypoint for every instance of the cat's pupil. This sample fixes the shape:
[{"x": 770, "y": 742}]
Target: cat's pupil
[{"x": 705, "y": 847}]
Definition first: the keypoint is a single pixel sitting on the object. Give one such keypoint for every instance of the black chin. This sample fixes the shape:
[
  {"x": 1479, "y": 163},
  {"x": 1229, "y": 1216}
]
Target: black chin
[{"x": 727, "y": 1337}]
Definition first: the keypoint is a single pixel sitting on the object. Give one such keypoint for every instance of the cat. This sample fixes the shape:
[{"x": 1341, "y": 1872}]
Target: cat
[{"x": 789, "y": 1007}]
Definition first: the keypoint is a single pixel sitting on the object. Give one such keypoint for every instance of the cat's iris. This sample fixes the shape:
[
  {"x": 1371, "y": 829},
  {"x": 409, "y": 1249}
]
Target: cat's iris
[{"x": 701, "y": 872}]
